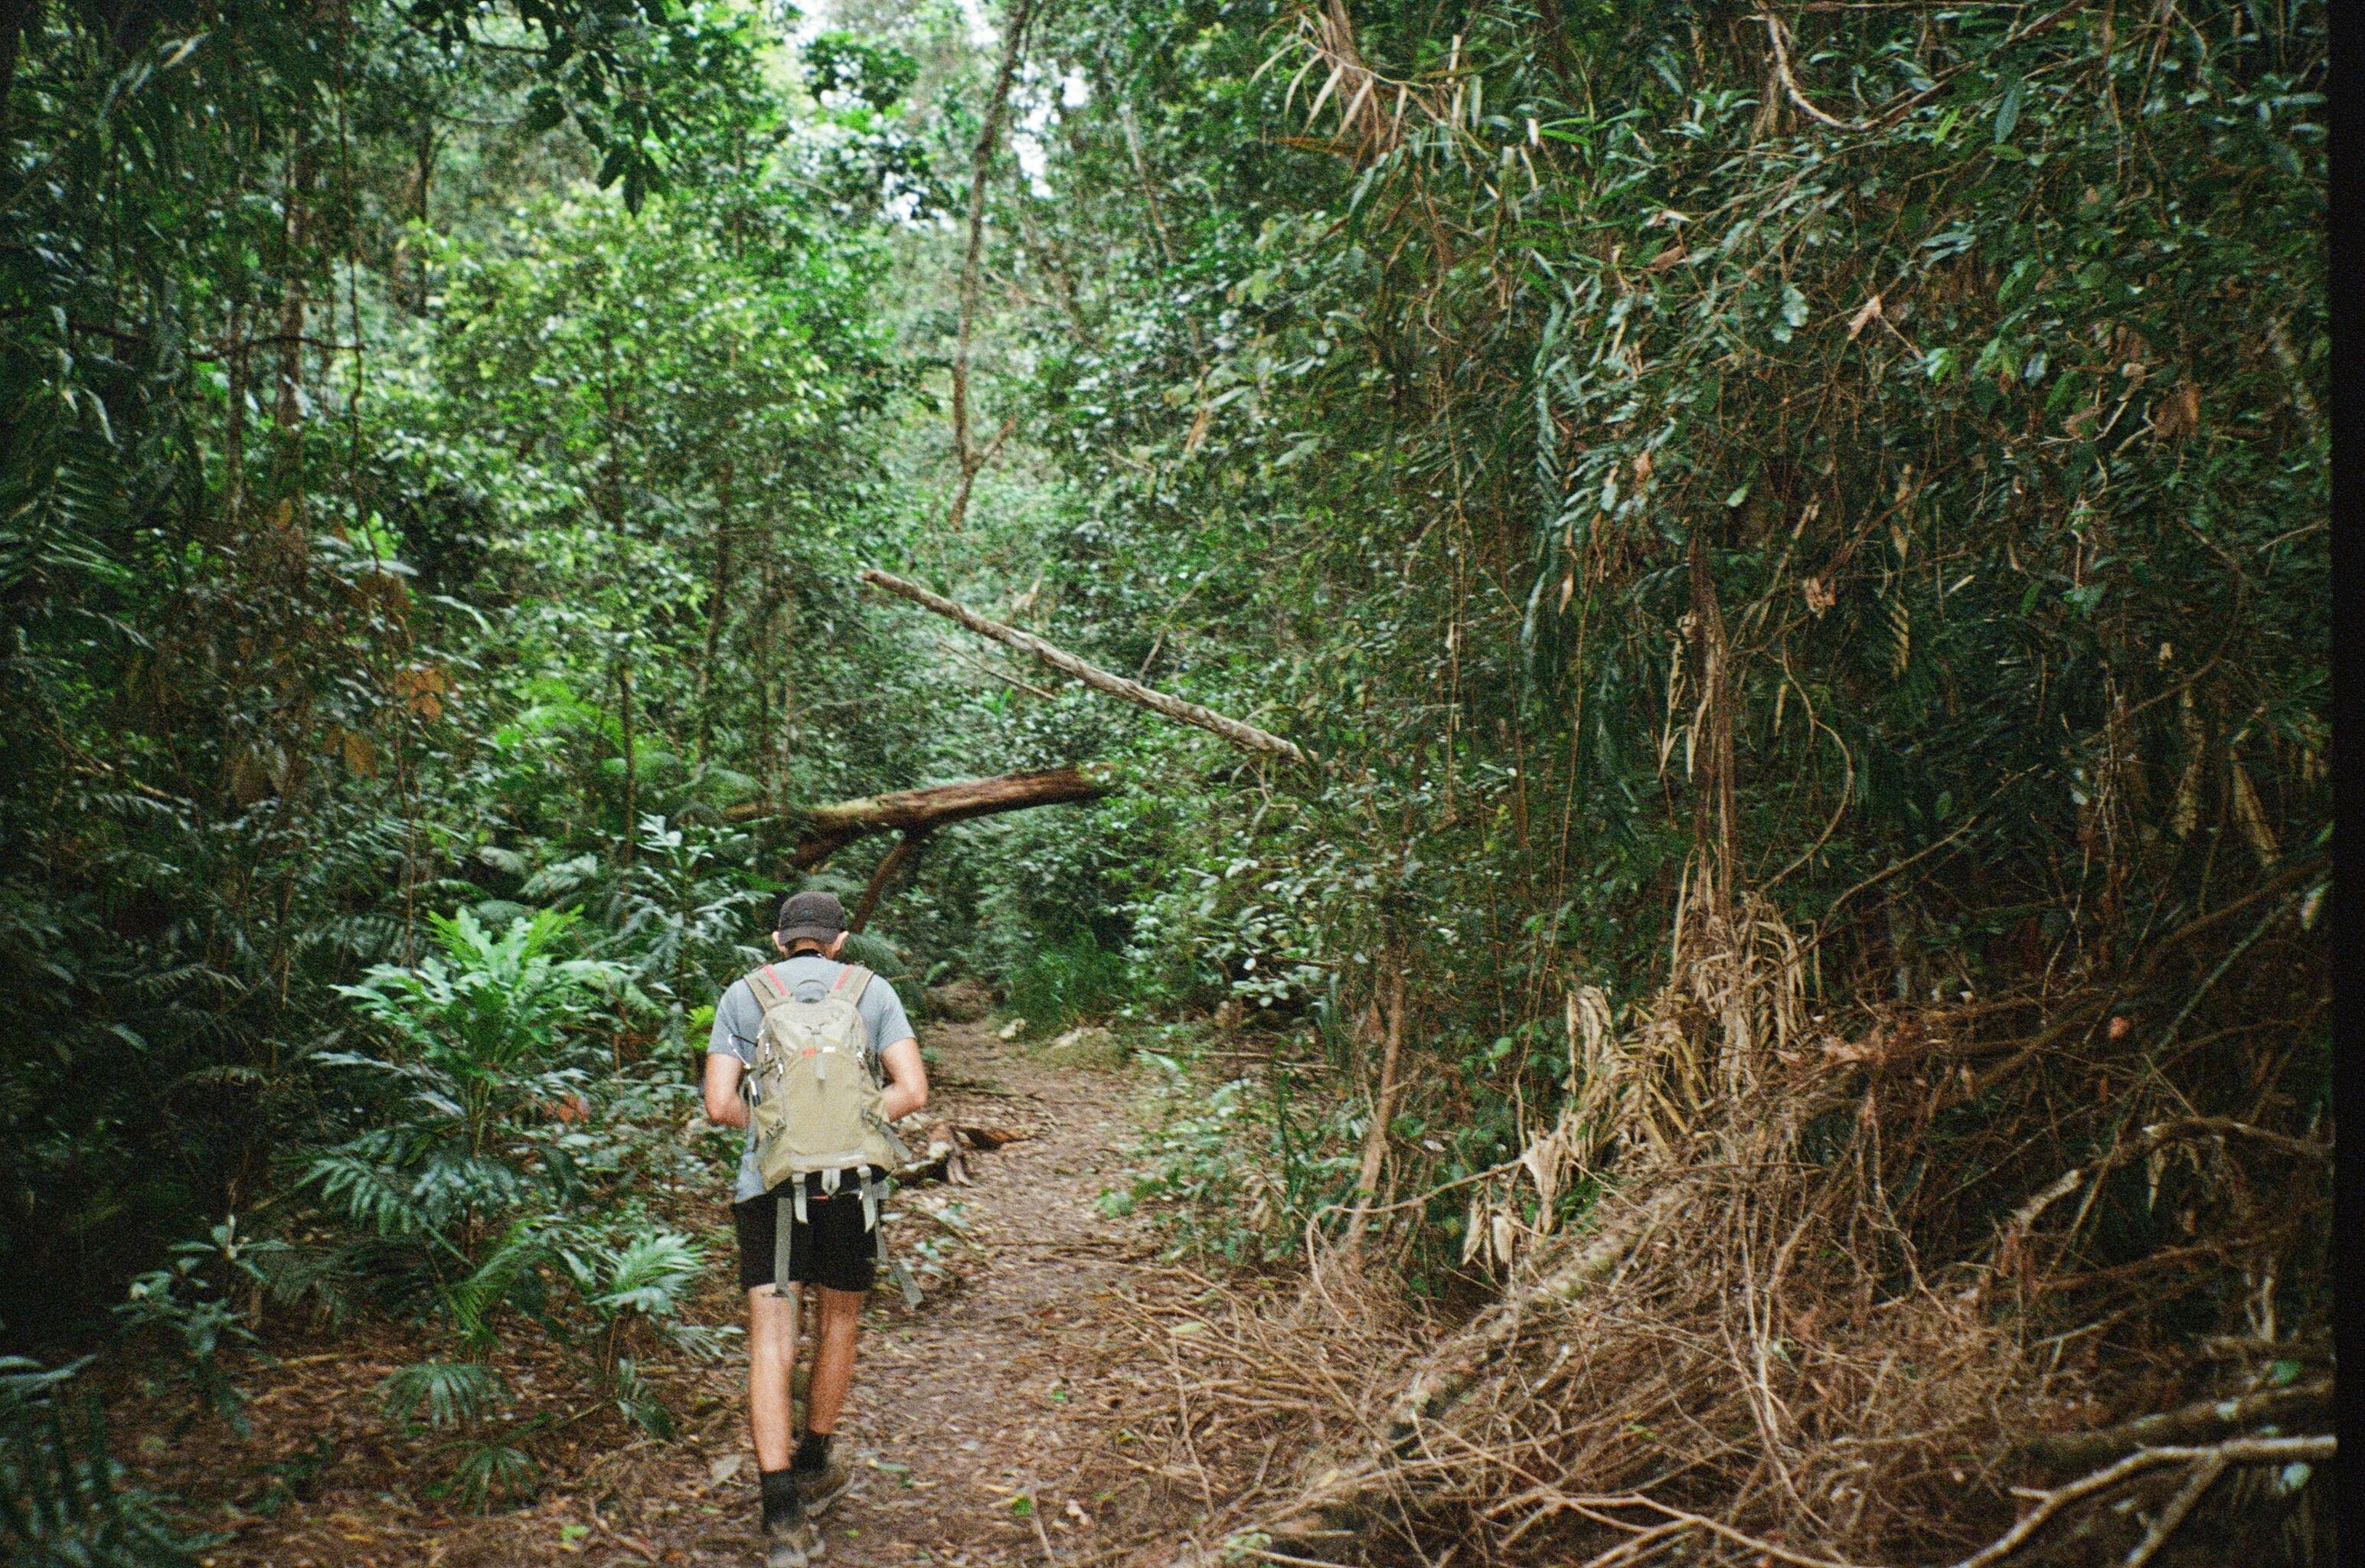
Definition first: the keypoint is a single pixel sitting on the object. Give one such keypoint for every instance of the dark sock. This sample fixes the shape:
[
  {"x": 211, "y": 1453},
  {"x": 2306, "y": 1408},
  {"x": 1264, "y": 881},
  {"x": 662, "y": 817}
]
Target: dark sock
[
  {"x": 813, "y": 1453},
  {"x": 781, "y": 1505}
]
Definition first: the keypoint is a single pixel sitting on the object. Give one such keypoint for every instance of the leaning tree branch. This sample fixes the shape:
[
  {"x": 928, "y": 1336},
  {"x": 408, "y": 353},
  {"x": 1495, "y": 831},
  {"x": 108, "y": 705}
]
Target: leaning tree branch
[
  {"x": 1247, "y": 737},
  {"x": 2241, "y": 1450},
  {"x": 822, "y": 831}
]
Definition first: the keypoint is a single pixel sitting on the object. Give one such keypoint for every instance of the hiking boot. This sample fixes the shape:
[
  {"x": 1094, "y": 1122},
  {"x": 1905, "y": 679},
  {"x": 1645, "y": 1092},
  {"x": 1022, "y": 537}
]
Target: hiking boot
[
  {"x": 793, "y": 1543},
  {"x": 818, "y": 1488}
]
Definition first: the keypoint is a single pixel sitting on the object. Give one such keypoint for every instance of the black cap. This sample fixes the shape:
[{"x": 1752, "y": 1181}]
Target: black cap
[{"x": 812, "y": 917}]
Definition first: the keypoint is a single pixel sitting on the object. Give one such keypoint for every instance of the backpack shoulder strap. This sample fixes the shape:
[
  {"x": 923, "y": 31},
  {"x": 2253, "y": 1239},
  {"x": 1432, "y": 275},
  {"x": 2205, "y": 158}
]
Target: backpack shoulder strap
[
  {"x": 851, "y": 982},
  {"x": 767, "y": 987}
]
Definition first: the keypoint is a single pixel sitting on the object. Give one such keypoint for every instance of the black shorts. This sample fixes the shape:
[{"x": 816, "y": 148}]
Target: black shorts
[{"x": 832, "y": 1247}]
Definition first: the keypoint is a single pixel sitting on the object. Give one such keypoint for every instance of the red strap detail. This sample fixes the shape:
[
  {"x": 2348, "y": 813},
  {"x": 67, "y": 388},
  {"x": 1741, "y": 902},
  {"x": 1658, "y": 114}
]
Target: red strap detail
[{"x": 780, "y": 991}]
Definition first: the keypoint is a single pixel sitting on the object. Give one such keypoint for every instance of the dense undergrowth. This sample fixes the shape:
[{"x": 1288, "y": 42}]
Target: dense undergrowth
[{"x": 1797, "y": 540}]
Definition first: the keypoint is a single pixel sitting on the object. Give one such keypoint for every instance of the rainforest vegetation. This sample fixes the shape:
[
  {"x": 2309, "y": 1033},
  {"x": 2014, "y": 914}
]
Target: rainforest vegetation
[{"x": 1772, "y": 977}]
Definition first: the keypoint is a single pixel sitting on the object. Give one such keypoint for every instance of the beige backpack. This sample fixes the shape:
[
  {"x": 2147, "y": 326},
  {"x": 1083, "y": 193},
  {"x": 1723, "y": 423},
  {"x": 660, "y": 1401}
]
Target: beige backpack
[{"x": 815, "y": 1103}]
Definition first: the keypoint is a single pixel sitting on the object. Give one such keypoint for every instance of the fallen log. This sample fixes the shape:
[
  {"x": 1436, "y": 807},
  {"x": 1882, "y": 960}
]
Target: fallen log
[
  {"x": 822, "y": 831},
  {"x": 1247, "y": 737}
]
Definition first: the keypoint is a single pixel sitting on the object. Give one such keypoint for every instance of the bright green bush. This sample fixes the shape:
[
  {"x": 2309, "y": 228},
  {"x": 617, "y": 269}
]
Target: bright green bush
[{"x": 482, "y": 1043}]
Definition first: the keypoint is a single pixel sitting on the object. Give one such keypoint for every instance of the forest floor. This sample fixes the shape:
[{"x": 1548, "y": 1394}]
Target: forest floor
[{"x": 988, "y": 1427}]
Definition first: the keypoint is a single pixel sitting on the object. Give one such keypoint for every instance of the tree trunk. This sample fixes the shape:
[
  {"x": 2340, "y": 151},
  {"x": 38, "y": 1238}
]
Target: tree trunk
[
  {"x": 822, "y": 831},
  {"x": 631, "y": 768},
  {"x": 293, "y": 300},
  {"x": 1375, "y": 1137},
  {"x": 967, "y": 459},
  {"x": 1713, "y": 746},
  {"x": 716, "y": 611},
  {"x": 235, "y": 355}
]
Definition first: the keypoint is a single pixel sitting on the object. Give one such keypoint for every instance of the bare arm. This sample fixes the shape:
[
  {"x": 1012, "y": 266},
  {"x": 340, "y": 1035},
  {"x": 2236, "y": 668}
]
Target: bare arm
[
  {"x": 907, "y": 1080},
  {"x": 724, "y": 1105}
]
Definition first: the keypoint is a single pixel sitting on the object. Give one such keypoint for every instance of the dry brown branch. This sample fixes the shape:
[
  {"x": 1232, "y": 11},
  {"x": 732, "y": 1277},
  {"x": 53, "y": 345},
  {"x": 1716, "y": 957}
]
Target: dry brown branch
[
  {"x": 1774, "y": 35},
  {"x": 1905, "y": 104},
  {"x": 1247, "y": 737},
  {"x": 2204, "y": 1475},
  {"x": 2241, "y": 1450},
  {"x": 1777, "y": 1340},
  {"x": 1680, "y": 1519},
  {"x": 2200, "y": 1419},
  {"x": 1371, "y": 106},
  {"x": 2295, "y": 378}
]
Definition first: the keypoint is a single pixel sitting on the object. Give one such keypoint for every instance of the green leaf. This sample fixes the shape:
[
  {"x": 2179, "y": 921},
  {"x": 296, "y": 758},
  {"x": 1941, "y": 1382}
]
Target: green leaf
[
  {"x": 2007, "y": 115},
  {"x": 544, "y": 110},
  {"x": 451, "y": 1392}
]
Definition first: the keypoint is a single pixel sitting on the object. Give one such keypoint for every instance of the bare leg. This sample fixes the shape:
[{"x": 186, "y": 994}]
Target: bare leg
[
  {"x": 839, "y": 1316},
  {"x": 772, "y": 1357}
]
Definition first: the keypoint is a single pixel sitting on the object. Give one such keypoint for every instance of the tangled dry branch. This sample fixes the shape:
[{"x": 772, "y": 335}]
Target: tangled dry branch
[{"x": 1773, "y": 1341}]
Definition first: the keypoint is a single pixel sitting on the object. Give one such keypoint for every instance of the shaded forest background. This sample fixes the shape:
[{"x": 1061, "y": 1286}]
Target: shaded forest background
[{"x": 1798, "y": 541}]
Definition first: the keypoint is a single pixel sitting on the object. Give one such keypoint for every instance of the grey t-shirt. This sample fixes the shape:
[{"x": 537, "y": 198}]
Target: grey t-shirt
[{"x": 808, "y": 977}]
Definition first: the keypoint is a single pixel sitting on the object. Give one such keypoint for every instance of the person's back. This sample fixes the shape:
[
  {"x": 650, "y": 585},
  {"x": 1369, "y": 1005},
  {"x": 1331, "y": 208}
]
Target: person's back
[{"x": 821, "y": 1229}]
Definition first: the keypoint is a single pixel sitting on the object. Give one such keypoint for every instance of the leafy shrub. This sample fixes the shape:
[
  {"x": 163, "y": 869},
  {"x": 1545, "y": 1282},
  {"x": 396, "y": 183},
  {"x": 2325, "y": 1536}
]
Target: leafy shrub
[
  {"x": 677, "y": 912},
  {"x": 1052, "y": 986},
  {"x": 631, "y": 1280},
  {"x": 482, "y": 1039},
  {"x": 638, "y": 1286},
  {"x": 193, "y": 1316},
  {"x": 1232, "y": 1179}
]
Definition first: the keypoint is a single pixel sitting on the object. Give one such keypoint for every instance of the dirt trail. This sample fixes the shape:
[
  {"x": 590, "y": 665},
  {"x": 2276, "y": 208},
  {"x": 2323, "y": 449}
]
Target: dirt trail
[
  {"x": 976, "y": 1400},
  {"x": 983, "y": 1427}
]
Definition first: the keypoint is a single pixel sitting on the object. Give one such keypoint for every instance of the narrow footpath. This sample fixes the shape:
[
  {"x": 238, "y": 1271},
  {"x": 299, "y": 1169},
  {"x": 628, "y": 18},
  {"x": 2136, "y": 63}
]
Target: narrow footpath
[
  {"x": 988, "y": 1427},
  {"x": 977, "y": 1423}
]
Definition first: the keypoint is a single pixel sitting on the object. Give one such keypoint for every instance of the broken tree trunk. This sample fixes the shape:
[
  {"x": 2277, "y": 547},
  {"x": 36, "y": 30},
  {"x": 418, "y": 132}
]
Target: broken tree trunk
[
  {"x": 1247, "y": 737},
  {"x": 822, "y": 831},
  {"x": 906, "y": 850}
]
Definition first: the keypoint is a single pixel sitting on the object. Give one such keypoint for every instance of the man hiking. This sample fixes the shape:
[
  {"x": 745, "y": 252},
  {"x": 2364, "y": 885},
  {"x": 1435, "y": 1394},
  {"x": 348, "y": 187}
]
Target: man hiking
[{"x": 798, "y": 1055}]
